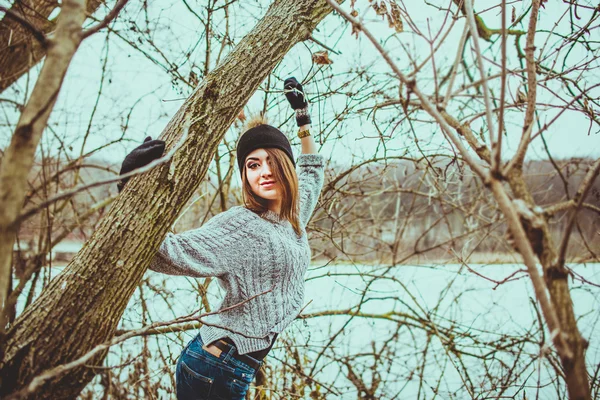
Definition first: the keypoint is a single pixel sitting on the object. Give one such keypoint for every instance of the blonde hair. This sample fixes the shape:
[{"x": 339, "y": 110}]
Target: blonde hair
[{"x": 283, "y": 172}]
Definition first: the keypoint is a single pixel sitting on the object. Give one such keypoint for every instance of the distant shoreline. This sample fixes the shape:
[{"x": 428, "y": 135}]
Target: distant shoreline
[{"x": 474, "y": 258}]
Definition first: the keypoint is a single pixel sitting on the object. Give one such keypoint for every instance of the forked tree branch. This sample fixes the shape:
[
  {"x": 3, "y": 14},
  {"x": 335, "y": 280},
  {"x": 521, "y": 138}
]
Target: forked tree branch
[
  {"x": 581, "y": 194},
  {"x": 497, "y": 188}
]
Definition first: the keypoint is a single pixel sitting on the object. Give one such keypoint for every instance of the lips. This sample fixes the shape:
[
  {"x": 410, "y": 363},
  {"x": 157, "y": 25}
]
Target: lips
[{"x": 268, "y": 184}]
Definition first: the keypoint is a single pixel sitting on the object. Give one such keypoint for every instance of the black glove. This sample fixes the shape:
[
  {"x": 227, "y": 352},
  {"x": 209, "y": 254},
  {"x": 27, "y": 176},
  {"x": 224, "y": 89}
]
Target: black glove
[
  {"x": 142, "y": 155},
  {"x": 294, "y": 92}
]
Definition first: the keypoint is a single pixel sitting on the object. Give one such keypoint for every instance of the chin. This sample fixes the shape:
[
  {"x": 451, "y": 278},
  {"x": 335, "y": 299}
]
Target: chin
[{"x": 270, "y": 197}]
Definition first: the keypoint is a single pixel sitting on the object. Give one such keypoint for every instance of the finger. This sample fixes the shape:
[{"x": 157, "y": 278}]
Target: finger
[
  {"x": 158, "y": 150},
  {"x": 290, "y": 83},
  {"x": 152, "y": 143}
]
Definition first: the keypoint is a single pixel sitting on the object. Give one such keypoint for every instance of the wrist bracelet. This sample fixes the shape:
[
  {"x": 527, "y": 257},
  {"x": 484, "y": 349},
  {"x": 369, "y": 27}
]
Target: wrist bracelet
[{"x": 304, "y": 133}]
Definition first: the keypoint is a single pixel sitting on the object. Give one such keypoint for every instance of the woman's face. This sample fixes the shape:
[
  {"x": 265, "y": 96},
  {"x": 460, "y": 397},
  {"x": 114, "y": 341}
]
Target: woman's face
[{"x": 258, "y": 174}]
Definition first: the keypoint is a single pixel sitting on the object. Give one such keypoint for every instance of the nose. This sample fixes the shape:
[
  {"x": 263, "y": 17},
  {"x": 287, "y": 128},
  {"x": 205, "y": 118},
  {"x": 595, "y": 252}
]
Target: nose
[{"x": 266, "y": 170}]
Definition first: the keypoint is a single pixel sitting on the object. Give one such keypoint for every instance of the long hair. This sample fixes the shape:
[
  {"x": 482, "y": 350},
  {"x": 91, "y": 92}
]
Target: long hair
[{"x": 284, "y": 173}]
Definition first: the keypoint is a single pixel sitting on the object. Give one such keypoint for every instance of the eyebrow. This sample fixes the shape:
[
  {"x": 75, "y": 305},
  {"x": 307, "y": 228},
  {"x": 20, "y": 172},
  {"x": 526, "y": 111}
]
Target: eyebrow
[{"x": 255, "y": 158}]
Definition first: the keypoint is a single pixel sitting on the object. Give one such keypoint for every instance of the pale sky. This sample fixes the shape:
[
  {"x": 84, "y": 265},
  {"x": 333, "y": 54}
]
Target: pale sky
[{"x": 134, "y": 84}]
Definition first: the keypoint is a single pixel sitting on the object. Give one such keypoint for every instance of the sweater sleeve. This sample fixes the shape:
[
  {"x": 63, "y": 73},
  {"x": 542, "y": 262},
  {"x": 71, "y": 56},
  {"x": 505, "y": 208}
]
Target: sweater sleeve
[
  {"x": 198, "y": 252},
  {"x": 311, "y": 171}
]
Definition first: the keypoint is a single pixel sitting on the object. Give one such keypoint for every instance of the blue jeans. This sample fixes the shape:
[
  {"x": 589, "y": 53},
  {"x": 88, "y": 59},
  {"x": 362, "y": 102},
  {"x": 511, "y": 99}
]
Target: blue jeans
[{"x": 201, "y": 375}]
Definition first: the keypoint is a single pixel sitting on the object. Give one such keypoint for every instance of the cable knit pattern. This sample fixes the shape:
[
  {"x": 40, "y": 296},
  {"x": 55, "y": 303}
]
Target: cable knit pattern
[{"x": 250, "y": 254}]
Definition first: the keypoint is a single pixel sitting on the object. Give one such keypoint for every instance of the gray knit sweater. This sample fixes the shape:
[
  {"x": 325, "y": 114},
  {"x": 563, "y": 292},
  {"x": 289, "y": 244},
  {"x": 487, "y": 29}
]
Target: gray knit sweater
[{"x": 250, "y": 254}]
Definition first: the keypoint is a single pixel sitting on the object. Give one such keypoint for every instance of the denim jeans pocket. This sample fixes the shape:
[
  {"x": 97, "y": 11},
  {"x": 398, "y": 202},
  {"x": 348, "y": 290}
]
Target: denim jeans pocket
[
  {"x": 238, "y": 388},
  {"x": 192, "y": 385},
  {"x": 202, "y": 375},
  {"x": 201, "y": 355}
]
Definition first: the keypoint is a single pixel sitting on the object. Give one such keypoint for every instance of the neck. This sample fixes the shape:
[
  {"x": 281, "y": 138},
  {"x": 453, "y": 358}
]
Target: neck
[{"x": 274, "y": 206}]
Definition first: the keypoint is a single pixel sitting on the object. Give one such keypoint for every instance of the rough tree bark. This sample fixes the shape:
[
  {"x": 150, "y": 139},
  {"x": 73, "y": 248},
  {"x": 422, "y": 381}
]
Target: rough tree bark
[
  {"x": 82, "y": 307},
  {"x": 19, "y": 156},
  {"x": 19, "y": 48},
  {"x": 556, "y": 278}
]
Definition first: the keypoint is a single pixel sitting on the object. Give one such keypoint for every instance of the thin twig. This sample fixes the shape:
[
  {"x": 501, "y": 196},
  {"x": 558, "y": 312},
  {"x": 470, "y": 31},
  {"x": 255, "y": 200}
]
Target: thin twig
[
  {"x": 578, "y": 199},
  {"x": 59, "y": 370},
  {"x": 107, "y": 20},
  {"x": 497, "y": 188},
  {"x": 459, "y": 56},
  {"x": 531, "y": 86},
  {"x": 486, "y": 93},
  {"x": 497, "y": 151},
  {"x": 522, "y": 149},
  {"x": 323, "y": 45},
  {"x": 69, "y": 193},
  {"x": 31, "y": 269},
  {"x": 425, "y": 102},
  {"x": 566, "y": 205}
]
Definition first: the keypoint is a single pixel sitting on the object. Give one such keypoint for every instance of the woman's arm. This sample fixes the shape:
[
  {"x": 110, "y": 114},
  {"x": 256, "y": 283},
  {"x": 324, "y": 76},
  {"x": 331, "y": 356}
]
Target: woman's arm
[
  {"x": 311, "y": 165},
  {"x": 308, "y": 142},
  {"x": 311, "y": 171},
  {"x": 294, "y": 92},
  {"x": 199, "y": 252}
]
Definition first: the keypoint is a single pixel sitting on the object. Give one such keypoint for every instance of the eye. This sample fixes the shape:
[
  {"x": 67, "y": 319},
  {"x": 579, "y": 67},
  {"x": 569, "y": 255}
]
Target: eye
[{"x": 251, "y": 165}]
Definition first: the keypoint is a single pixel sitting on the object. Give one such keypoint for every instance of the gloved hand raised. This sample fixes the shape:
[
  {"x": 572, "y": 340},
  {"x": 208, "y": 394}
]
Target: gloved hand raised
[
  {"x": 294, "y": 92},
  {"x": 142, "y": 155}
]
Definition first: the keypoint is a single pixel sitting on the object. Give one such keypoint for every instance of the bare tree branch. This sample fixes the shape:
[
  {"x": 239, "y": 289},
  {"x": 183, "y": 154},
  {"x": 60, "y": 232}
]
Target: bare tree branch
[
  {"x": 18, "y": 158},
  {"x": 578, "y": 200},
  {"x": 69, "y": 193},
  {"x": 107, "y": 20}
]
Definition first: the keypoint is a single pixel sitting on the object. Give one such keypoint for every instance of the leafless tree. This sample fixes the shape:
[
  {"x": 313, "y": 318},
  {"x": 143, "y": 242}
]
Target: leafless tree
[
  {"x": 195, "y": 131},
  {"x": 428, "y": 132}
]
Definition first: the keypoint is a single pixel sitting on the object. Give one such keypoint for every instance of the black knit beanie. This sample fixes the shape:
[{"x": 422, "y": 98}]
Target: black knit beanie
[{"x": 262, "y": 137}]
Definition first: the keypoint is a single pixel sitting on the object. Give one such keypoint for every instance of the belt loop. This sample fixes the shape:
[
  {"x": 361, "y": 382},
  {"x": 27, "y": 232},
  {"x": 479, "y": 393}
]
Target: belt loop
[{"x": 229, "y": 354}]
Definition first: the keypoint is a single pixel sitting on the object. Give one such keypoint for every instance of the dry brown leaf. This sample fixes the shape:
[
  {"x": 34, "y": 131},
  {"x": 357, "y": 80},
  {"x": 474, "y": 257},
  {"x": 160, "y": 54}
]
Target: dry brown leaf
[
  {"x": 354, "y": 13},
  {"x": 393, "y": 14},
  {"x": 395, "y": 18},
  {"x": 193, "y": 79},
  {"x": 242, "y": 116},
  {"x": 321, "y": 58},
  {"x": 380, "y": 9},
  {"x": 521, "y": 97}
]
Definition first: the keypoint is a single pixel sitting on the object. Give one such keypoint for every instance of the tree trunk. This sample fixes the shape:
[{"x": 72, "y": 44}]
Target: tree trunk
[
  {"x": 82, "y": 306},
  {"x": 19, "y": 49},
  {"x": 19, "y": 156},
  {"x": 556, "y": 277}
]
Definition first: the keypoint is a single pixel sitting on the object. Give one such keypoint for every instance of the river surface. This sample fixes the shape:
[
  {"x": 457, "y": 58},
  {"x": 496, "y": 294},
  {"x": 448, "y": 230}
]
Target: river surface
[{"x": 399, "y": 326}]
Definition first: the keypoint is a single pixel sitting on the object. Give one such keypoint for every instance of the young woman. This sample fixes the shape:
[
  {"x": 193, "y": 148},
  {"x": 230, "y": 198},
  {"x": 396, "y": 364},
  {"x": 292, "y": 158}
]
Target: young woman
[{"x": 259, "y": 249}]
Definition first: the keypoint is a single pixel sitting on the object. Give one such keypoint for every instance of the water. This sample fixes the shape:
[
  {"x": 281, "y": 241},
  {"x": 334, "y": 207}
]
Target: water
[{"x": 444, "y": 331}]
